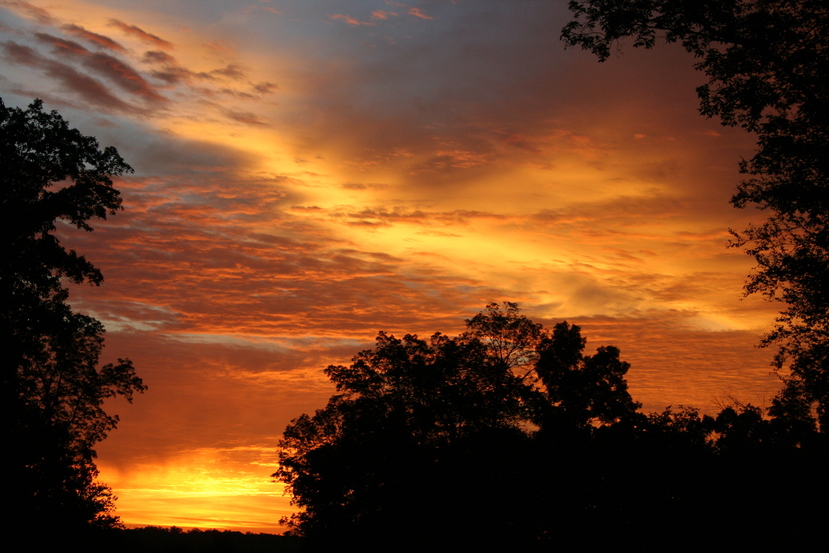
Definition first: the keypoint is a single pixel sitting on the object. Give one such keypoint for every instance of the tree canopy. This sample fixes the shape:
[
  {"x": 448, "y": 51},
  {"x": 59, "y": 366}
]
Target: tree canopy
[
  {"x": 52, "y": 388},
  {"x": 418, "y": 425},
  {"x": 766, "y": 61},
  {"x": 508, "y": 436}
]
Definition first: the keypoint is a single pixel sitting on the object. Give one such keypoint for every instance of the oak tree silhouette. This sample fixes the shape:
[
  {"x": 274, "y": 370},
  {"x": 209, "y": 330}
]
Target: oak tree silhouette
[
  {"x": 52, "y": 390},
  {"x": 424, "y": 437}
]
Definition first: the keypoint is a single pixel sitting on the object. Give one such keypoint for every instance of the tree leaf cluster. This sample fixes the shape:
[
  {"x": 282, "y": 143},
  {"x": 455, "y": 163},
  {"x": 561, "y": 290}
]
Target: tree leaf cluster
[
  {"x": 52, "y": 387},
  {"x": 766, "y": 61},
  {"x": 509, "y": 436}
]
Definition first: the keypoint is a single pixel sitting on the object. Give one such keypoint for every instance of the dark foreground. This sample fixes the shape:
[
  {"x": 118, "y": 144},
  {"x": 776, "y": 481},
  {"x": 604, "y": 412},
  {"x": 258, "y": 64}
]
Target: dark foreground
[{"x": 154, "y": 539}]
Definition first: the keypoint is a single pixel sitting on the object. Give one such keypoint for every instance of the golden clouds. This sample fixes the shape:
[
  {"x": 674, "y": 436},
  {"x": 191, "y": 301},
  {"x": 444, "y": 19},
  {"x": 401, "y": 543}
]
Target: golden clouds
[
  {"x": 378, "y": 16},
  {"x": 415, "y": 162}
]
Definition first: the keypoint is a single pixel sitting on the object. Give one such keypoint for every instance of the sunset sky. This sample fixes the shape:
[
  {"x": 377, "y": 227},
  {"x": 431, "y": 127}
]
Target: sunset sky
[{"x": 309, "y": 172}]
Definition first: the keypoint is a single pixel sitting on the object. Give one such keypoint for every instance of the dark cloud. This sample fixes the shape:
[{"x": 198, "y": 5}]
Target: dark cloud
[
  {"x": 364, "y": 186},
  {"x": 172, "y": 73},
  {"x": 105, "y": 65},
  {"x": 232, "y": 71},
  {"x": 61, "y": 46},
  {"x": 141, "y": 34},
  {"x": 85, "y": 86},
  {"x": 245, "y": 117},
  {"x": 158, "y": 57},
  {"x": 19, "y": 53},
  {"x": 123, "y": 75},
  {"x": 38, "y": 14},
  {"x": 265, "y": 87},
  {"x": 94, "y": 38},
  {"x": 230, "y": 93}
]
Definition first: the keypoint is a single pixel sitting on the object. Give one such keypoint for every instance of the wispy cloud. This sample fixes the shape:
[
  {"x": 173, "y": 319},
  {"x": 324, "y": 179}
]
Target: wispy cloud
[
  {"x": 245, "y": 117},
  {"x": 105, "y": 65},
  {"x": 350, "y": 20},
  {"x": 135, "y": 31},
  {"x": 86, "y": 87},
  {"x": 94, "y": 38},
  {"x": 30, "y": 10},
  {"x": 418, "y": 13}
]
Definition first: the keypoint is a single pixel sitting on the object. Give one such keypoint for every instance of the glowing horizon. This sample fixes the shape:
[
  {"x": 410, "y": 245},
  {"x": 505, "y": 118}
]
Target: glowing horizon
[{"x": 307, "y": 176}]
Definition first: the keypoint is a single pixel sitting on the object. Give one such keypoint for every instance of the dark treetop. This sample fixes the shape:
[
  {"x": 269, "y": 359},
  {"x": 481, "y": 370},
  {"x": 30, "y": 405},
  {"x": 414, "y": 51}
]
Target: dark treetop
[
  {"x": 767, "y": 62},
  {"x": 52, "y": 389}
]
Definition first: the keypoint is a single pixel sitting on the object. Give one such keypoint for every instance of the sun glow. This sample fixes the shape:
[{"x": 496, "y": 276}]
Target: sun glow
[
  {"x": 225, "y": 488},
  {"x": 302, "y": 183}
]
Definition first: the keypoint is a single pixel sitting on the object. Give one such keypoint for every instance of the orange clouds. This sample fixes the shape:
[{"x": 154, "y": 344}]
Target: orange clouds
[
  {"x": 133, "y": 30},
  {"x": 101, "y": 40},
  {"x": 91, "y": 67},
  {"x": 350, "y": 20},
  {"x": 417, "y": 13},
  {"x": 381, "y": 15},
  {"x": 105, "y": 65},
  {"x": 415, "y": 162},
  {"x": 68, "y": 77}
]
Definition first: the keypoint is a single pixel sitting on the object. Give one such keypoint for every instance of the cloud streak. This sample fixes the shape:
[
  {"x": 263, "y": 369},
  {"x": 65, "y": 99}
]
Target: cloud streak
[
  {"x": 105, "y": 65},
  {"x": 143, "y": 35},
  {"x": 86, "y": 87},
  {"x": 94, "y": 38}
]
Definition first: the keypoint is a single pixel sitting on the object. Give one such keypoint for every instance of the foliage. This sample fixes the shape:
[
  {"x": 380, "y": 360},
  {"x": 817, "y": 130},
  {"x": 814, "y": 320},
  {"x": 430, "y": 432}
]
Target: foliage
[
  {"x": 586, "y": 390},
  {"x": 509, "y": 437},
  {"x": 52, "y": 391},
  {"x": 417, "y": 426},
  {"x": 509, "y": 337},
  {"x": 766, "y": 61},
  {"x": 403, "y": 408},
  {"x": 154, "y": 539}
]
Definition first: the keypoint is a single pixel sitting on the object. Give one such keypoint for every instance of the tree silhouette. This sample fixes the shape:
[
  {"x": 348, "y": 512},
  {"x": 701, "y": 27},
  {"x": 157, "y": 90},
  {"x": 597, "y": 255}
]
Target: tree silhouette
[
  {"x": 509, "y": 437},
  {"x": 393, "y": 432},
  {"x": 424, "y": 437},
  {"x": 52, "y": 389},
  {"x": 767, "y": 62},
  {"x": 586, "y": 390}
]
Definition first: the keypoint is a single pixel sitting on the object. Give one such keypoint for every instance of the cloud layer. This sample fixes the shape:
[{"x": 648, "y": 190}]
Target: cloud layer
[{"x": 306, "y": 177}]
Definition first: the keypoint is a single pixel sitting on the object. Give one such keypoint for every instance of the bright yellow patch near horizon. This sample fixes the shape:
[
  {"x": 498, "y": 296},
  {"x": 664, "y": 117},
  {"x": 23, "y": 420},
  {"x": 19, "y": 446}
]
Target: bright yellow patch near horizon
[{"x": 225, "y": 489}]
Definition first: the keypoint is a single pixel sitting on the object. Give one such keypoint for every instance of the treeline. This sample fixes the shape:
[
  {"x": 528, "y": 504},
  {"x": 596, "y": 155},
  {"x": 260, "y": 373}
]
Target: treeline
[
  {"x": 511, "y": 437},
  {"x": 162, "y": 540}
]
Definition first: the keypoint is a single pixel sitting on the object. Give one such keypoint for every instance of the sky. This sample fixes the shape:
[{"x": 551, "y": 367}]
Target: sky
[{"x": 310, "y": 172}]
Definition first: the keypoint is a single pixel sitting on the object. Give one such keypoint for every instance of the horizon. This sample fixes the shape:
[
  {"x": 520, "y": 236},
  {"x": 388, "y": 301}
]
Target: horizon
[{"x": 307, "y": 175}]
